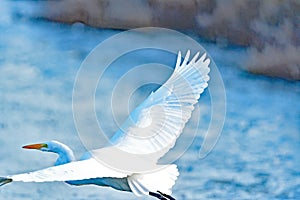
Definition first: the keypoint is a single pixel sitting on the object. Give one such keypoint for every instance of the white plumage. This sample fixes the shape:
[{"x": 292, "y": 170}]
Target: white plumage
[
  {"x": 79, "y": 170},
  {"x": 152, "y": 128},
  {"x": 162, "y": 180}
]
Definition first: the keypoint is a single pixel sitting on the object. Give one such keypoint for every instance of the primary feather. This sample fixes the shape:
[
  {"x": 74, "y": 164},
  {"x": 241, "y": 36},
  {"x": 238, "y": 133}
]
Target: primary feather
[{"x": 154, "y": 125}]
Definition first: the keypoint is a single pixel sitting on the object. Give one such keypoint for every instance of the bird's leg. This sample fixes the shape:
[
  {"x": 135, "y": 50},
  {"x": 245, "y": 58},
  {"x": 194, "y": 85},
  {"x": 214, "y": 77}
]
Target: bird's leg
[
  {"x": 166, "y": 195},
  {"x": 157, "y": 195}
]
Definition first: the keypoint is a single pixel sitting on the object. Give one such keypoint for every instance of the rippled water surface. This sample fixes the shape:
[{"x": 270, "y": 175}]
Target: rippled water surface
[{"x": 256, "y": 157}]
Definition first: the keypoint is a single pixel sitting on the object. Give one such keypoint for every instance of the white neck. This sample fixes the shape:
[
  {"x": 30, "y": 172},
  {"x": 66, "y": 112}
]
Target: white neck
[{"x": 65, "y": 154}]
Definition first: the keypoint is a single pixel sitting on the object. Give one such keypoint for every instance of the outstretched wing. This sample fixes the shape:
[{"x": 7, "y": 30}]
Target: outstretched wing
[
  {"x": 154, "y": 125},
  {"x": 80, "y": 170}
]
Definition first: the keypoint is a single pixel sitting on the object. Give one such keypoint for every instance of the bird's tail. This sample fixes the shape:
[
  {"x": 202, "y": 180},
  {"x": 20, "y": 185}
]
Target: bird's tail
[
  {"x": 162, "y": 181},
  {"x": 4, "y": 180}
]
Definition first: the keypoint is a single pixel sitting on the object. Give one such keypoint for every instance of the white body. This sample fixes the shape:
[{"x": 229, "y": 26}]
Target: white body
[{"x": 160, "y": 118}]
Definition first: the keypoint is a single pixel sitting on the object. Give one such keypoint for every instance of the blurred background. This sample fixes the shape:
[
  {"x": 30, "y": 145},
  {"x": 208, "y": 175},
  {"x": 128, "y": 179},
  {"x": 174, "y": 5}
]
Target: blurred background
[{"x": 255, "y": 44}]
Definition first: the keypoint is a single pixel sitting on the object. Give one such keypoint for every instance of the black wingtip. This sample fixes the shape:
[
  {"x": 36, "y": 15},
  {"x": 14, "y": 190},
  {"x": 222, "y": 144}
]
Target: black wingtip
[{"x": 4, "y": 181}]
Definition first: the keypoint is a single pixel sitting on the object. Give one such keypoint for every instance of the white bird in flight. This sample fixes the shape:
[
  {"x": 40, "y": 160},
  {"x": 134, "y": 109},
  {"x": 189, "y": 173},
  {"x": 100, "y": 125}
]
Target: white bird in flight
[{"x": 151, "y": 129}]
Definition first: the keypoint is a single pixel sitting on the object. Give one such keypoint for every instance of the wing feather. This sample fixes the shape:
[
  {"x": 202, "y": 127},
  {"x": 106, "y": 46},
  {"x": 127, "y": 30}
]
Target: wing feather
[
  {"x": 155, "y": 124},
  {"x": 79, "y": 170}
]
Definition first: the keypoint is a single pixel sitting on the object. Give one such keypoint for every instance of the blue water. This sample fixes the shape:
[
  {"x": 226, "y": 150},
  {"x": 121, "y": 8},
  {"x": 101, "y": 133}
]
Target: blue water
[{"x": 256, "y": 157}]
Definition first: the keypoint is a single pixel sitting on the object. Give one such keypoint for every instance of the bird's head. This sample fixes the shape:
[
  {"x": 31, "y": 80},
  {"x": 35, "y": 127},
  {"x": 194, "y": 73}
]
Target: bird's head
[
  {"x": 64, "y": 152},
  {"x": 51, "y": 146}
]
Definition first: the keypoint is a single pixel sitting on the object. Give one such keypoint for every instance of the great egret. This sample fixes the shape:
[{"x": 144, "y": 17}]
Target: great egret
[{"x": 159, "y": 120}]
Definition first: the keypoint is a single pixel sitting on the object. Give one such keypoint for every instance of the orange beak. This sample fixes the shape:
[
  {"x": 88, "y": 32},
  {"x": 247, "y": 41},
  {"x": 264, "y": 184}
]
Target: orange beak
[{"x": 34, "y": 146}]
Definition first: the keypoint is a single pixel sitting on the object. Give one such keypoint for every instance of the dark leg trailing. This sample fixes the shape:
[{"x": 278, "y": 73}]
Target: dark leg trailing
[{"x": 161, "y": 196}]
